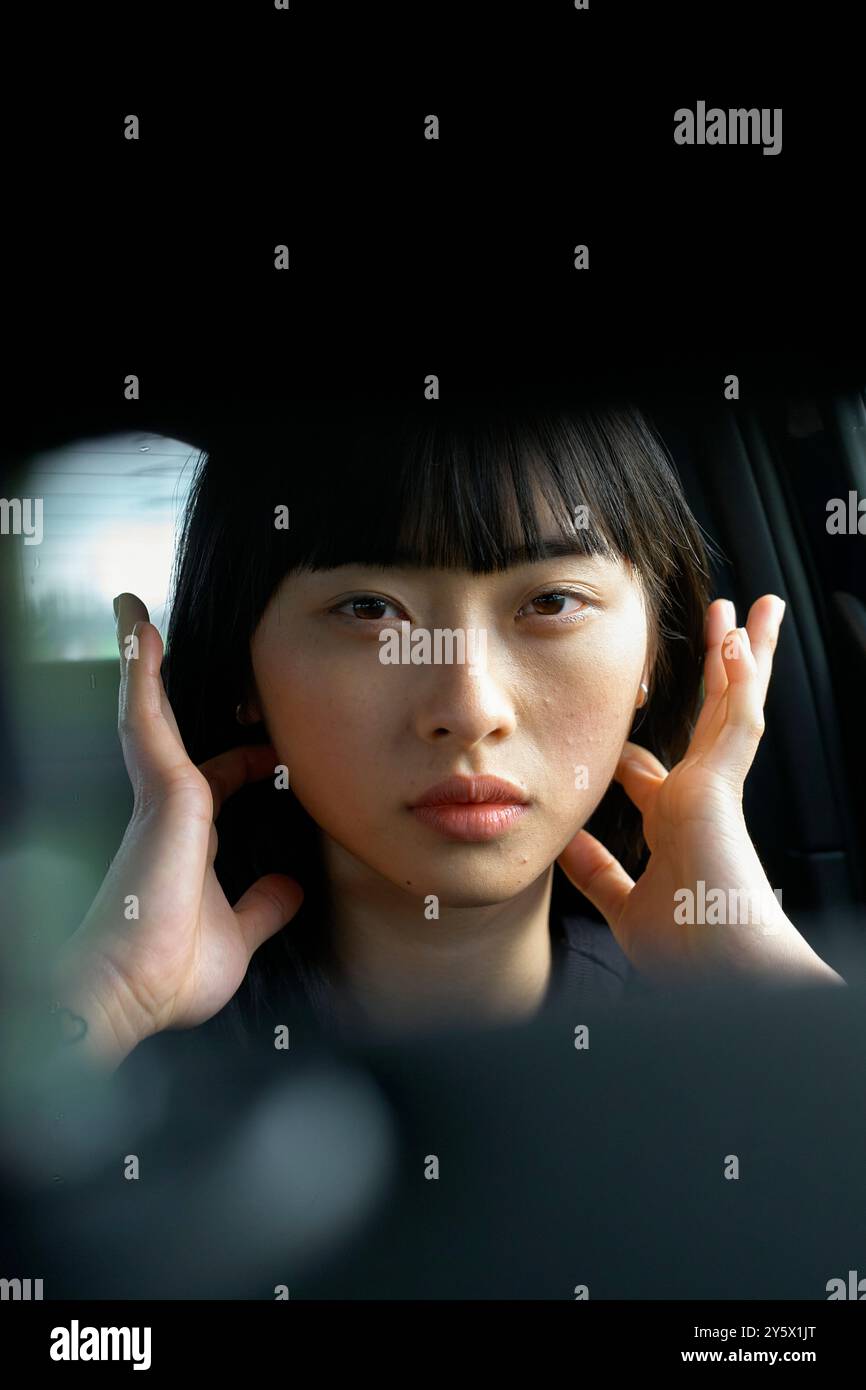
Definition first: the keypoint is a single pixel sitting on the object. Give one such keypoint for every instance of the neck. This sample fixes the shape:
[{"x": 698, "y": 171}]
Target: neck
[{"x": 401, "y": 969}]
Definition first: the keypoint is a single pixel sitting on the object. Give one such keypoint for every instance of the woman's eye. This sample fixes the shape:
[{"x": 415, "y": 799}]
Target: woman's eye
[
  {"x": 367, "y": 607},
  {"x": 556, "y": 603},
  {"x": 552, "y": 605}
]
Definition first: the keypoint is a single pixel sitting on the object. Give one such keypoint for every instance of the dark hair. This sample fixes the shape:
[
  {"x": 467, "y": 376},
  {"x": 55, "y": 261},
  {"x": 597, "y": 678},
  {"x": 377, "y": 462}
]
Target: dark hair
[{"x": 454, "y": 485}]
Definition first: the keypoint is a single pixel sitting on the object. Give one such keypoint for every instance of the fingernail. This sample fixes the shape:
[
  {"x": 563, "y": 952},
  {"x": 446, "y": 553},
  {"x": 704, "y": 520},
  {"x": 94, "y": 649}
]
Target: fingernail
[
  {"x": 732, "y": 613},
  {"x": 735, "y": 643},
  {"x": 114, "y": 604}
]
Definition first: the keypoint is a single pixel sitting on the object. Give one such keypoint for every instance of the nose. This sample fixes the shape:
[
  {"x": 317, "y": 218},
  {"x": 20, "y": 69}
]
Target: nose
[{"x": 463, "y": 707}]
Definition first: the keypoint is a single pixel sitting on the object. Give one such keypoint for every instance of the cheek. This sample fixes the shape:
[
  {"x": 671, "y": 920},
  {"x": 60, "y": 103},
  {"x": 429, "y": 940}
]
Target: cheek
[
  {"x": 580, "y": 708},
  {"x": 327, "y": 733}
]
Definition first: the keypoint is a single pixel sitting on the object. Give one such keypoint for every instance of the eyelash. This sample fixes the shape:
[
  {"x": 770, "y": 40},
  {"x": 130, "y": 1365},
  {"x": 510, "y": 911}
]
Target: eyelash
[{"x": 537, "y": 598}]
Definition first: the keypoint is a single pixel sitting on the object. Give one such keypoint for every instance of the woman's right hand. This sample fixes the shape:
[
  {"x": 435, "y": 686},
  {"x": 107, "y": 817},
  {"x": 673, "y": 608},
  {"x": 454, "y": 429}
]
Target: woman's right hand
[{"x": 183, "y": 957}]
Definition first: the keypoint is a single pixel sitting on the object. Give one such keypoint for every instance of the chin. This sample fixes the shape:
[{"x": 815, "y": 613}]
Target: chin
[{"x": 478, "y": 887}]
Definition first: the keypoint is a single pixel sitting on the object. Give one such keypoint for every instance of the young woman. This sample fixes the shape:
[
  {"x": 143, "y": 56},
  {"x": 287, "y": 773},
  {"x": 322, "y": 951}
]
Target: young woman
[{"x": 366, "y": 864}]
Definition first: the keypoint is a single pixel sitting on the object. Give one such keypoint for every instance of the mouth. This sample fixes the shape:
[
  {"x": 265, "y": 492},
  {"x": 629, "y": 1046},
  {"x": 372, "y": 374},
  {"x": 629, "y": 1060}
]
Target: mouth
[{"x": 471, "y": 809}]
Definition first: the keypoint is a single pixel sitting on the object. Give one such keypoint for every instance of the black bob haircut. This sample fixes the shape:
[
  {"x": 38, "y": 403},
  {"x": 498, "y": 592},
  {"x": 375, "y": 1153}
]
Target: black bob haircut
[{"x": 434, "y": 484}]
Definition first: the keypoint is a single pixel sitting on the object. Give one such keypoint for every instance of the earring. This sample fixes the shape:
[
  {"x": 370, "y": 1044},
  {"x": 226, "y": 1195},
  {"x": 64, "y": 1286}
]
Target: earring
[
  {"x": 645, "y": 688},
  {"x": 240, "y": 716}
]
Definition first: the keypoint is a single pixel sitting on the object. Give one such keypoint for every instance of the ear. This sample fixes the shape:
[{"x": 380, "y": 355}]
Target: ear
[
  {"x": 643, "y": 691},
  {"x": 250, "y": 709}
]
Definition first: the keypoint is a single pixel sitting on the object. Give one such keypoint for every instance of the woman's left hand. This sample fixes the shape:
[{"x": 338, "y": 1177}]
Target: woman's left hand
[{"x": 694, "y": 827}]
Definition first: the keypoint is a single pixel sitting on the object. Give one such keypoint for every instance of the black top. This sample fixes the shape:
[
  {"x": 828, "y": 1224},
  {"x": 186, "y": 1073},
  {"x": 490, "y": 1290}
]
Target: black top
[{"x": 589, "y": 965}]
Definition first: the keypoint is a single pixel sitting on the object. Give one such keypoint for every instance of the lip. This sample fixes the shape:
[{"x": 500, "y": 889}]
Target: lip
[
  {"x": 471, "y": 809},
  {"x": 472, "y": 823},
  {"x": 473, "y": 791}
]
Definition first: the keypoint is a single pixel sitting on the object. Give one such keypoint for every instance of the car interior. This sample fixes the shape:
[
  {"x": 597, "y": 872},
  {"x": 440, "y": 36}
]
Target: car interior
[{"x": 759, "y": 480}]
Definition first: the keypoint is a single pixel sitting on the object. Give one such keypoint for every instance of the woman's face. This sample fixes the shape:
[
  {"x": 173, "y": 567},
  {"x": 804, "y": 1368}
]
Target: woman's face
[{"x": 544, "y": 699}]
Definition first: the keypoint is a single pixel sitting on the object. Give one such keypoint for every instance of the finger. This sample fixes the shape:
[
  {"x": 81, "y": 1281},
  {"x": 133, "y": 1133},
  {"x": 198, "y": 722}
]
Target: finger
[
  {"x": 640, "y": 773},
  {"x": 152, "y": 747},
  {"x": 129, "y": 609},
  {"x": 636, "y": 753},
  {"x": 721, "y": 618},
  {"x": 596, "y": 874},
  {"x": 266, "y": 907},
  {"x": 227, "y": 772},
  {"x": 763, "y": 623},
  {"x": 733, "y": 749}
]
